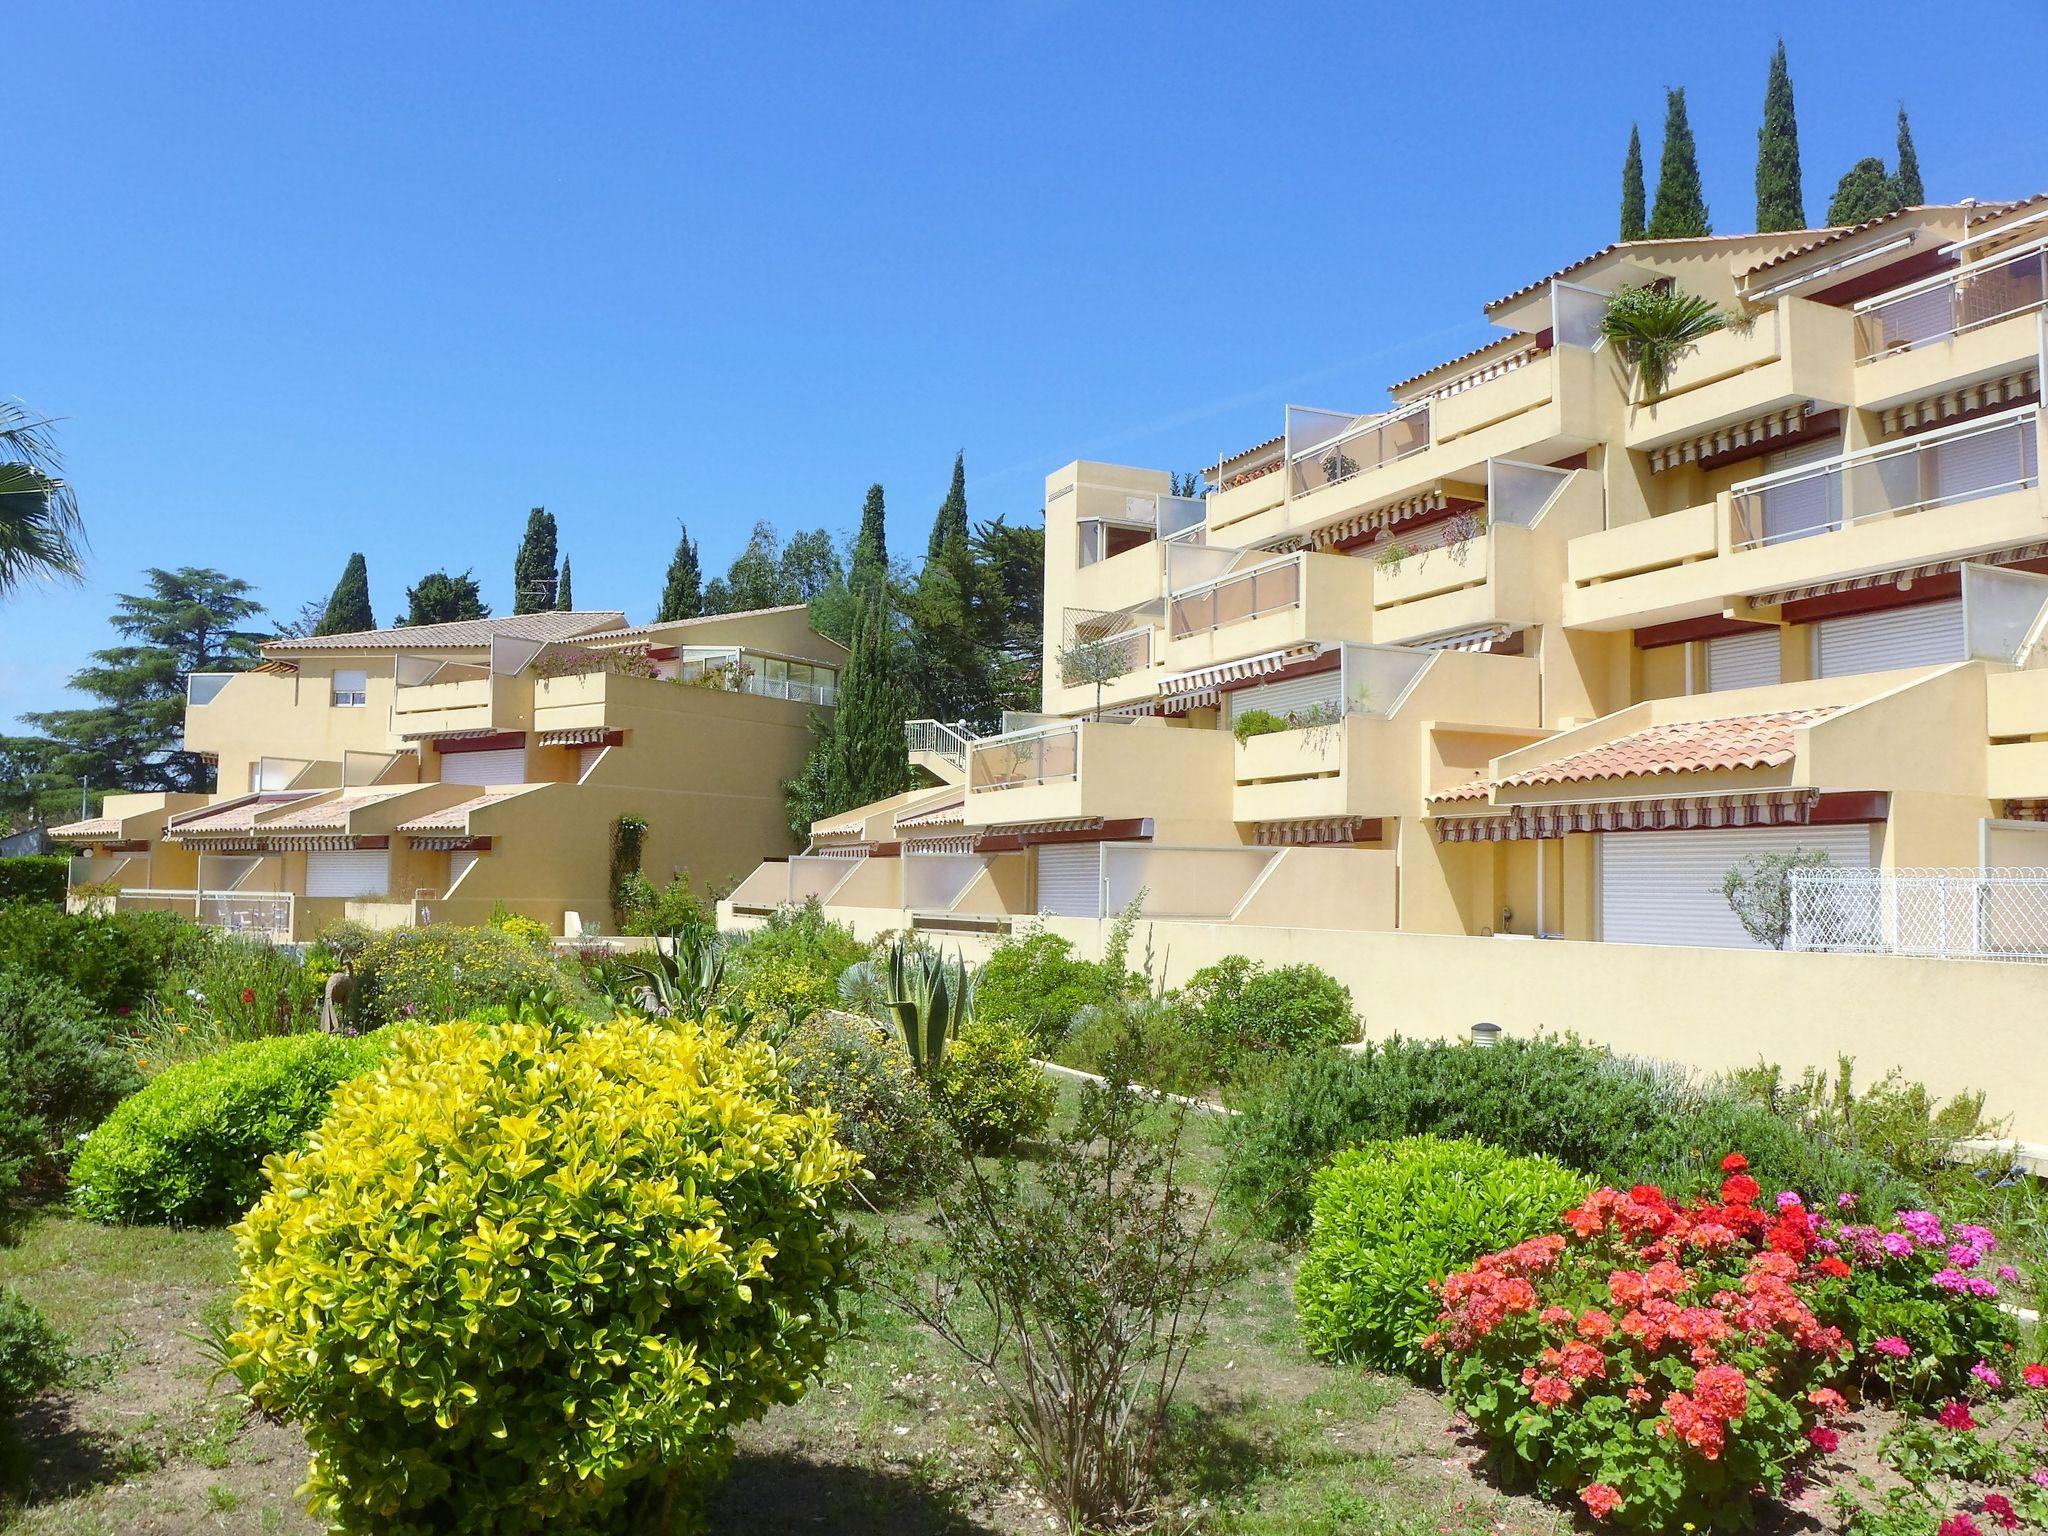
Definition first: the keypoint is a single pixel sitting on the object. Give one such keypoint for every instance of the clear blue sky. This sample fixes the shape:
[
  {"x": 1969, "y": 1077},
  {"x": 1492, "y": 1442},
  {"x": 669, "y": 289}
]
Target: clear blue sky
[{"x": 309, "y": 279}]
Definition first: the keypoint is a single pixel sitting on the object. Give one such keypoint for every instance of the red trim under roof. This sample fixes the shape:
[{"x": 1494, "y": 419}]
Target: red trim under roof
[{"x": 496, "y": 742}]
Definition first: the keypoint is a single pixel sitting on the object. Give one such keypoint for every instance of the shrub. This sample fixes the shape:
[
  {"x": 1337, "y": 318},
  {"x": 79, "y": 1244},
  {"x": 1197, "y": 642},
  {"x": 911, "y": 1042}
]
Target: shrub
[
  {"x": 190, "y": 1146},
  {"x": 33, "y": 1355},
  {"x": 1930, "y": 1292},
  {"x": 799, "y": 937},
  {"x": 56, "y": 1067},
  {"x": 1237, "y": 1008},
  {"x": 1393, "y": 1218},
  {"x": 1256, "y": 722},
  {"x": 1655, "y": 1363},
  {"x": 1758, "y": 890},
  {"x": 672, "y": 908},
  {"x": 1618, "y": 1121},
  {"x": 440, "y": 973},
  {"x": 991, "y": 1090},
  {"x": 527, "y": 1277},
  {"x": 40, "y": 877},
  {"x": 1144, "y": 1037},
  {"x": 859, "y": 1070},
  {"x": 528, "y": 930},
  {"x": 781, "y": 993},
  {"x": 1033, "y": 980},
  {"x": 115, "y": 961},
  {"x": 223, "y": 989}
]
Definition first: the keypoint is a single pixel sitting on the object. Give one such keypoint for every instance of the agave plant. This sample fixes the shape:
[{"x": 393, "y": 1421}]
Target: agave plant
[
  {"x": 1652, "y": 328},
  {"x": 688, "y": 976},
  {"x": 930, "y": 1001}
]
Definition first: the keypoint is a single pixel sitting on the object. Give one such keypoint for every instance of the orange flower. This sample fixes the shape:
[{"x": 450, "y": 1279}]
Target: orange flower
[{"x": 1601, "y": 1500}]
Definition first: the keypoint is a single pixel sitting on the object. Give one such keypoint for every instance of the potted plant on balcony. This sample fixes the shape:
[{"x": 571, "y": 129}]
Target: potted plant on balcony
[{"x": 1653, "y": 327}]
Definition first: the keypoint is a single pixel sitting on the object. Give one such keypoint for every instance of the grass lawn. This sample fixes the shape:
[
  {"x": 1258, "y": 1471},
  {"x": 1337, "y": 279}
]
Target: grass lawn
[{"x": 892, "y": 1440}]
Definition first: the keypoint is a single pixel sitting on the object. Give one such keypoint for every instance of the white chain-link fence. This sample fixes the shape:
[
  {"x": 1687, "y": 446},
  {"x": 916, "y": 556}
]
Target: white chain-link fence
[{"x": 1982, "y": 914}]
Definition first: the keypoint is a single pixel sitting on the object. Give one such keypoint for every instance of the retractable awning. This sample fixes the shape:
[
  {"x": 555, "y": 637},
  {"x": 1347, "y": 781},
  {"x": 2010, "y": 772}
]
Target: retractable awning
[
  {"x": 2015, "y": 554},
  {"x": 1660, "y": 813},
  {"x": 1189, "y": 690}
]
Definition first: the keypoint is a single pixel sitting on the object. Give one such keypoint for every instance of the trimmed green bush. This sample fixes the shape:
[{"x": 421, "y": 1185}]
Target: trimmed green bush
[
  {"x": 991, "y": 1091},
  {"x": 531, "y": 1278},
  {"x": 1238, "y": 1009},
  {"x": 1392, "y": 1218},
  {"x": 1033, "y": 980},
  {"x": 1624, "y": 1123},
  {"x": 115, "y": 961},
  {"x": 59, "y": 1075},
  {"x": 1256, "y": 722},
  {"x": 794, "y": 939},
  {"x": 34, "y": 877},
  {"x": 190, "y": 1147},
  {"x": 860, "y": 1071},
  {"x": 33, "y": 1355}
]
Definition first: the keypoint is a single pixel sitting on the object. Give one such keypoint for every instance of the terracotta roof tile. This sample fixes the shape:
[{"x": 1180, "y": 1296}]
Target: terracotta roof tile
[
  {"x": 98, "y": 826},
  {"x": 455, "y": 818},
  {"x": 235, "y": 816},
  {"x": 1847, "y": 231},
  {"x": 330, "y": 813},
  {"x": 1608, "y": 250},
  {"x": 463, "y": 634},
  {"x": 1478, "y": 789},
  {"x": 1683, "y": 746},
  {"x": 948, "y": 813}
]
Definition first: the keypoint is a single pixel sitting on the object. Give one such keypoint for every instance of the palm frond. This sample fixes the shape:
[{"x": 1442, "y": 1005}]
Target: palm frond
[
  {"x": 41, "y": 533},
  {"x": 1652, "y": 328}
]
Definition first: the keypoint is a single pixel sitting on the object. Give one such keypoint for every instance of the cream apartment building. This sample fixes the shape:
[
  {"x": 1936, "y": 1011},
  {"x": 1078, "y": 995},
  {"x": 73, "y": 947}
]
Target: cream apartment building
[
  {"x": 1552, "y": 656},
  {"x": 428, "y": 774}
]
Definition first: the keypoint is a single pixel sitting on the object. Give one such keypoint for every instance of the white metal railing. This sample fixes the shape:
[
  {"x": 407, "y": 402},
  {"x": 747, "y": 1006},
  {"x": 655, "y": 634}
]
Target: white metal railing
[
  {"x": 744, "y": 671},
  {"x": 1044, "y": 755},
  {"x": 1267, "y": 588},
  {"x": 938, "y": 739},
  {"x": 1324, "y": 448},
  {"x": 1966, "y": 914},
  {"x": 1953, "y": 303},
  {"x": 268, "y": 913},
  {"x": 1936, "y": 469}
]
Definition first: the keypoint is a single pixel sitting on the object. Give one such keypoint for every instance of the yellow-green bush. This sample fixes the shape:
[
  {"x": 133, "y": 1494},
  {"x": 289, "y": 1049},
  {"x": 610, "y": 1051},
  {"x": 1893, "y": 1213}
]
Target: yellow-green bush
[
  {"x": 435, "y": 974},
  {"x": 528, "y": 1277},
  {"x": 783, "y": 993},
  {"x": 528, "y": 930},
  {"x": 991, "y": 1090}
]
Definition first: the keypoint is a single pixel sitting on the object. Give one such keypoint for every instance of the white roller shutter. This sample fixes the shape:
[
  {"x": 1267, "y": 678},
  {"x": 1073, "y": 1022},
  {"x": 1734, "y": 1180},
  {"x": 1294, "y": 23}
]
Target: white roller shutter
[
  {"x": 1743, "y": 661},
  {"x": 1289, "y": 696},
  {"x": 1665, "y": 887},
  {"x": 349, "y": 872},
  {"x": 1070, "y": 879},
  {"x": 507, "y": 765},
  {"x": 1802, "y": 506},
  {"x": 1924, "y": 635},
  {"x": 586, "y": 759}
]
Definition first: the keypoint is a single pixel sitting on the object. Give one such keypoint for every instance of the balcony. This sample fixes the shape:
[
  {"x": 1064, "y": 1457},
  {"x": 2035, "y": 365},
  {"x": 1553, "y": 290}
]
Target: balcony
[
  {"x": 454, "y": 696},
  {"x": 1231, "y": 603},
  {"x": 1794, "y": 353},
  {"x": 1953, "y": 304},
  {"x": 1113, "y": 769}
]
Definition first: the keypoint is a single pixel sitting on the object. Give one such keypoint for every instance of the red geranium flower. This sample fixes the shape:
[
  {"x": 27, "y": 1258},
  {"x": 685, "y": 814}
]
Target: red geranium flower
[
  {"x": 1734, "y": 1162},
  {"x": 1601, "y": 1500},
  {"x": 248, "y": 996},
  {"x": 1833, "y": 1266},
  {"x": 1823, "y": 1439},
  {"x": 1999, "y": 1508},
  {"x": 2034, "y": 1375},
  {"x": 1955, "y": 1415}
]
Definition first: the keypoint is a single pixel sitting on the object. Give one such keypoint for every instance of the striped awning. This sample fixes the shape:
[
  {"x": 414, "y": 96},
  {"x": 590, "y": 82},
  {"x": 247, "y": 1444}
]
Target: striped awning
[
  {"x": 1756, "y": 431},
  {"x": 1314, "y": 831},
  {"x": 1664, "y": 813},
  {"x": 315, "y": 842},
  {"x": 579, "y": 736},
  {"x": 1063, "y": 824},
  {"x": 1189, "y": 690},
  {"x": 1968, "y": 399},
  {"x": 1133, "y": 711},
  {"x": 950, "y": 813},
  {"x": 1422, "y": 504},
  {"x": 1484, "y": 639},
  {"x": 2026, "y": 810},
  {"x": 468, "y": 733},
  {"x": 2014, "y": 554},
  {"x": 963, "y": 843}
]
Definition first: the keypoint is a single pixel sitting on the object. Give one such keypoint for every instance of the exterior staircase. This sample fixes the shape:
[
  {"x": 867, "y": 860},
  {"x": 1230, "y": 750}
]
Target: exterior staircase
[{"x": 938, "y": 748}]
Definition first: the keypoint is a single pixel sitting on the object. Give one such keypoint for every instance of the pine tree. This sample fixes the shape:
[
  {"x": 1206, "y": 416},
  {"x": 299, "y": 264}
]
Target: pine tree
[
  {"x": 682, "y": 595},
  {"x": 1632, "y": 187},
  {"x": 865, "y": 756},
  {"x": 533, "y": 568},
  {"x": 871, "y": 545},
  {"x": 950, "y": 526},
  {"x": 563, "y": 601},
  {"x": 1909, "y": 191},
  {"x": 444, "y": 599},
  {"x": 131, "y": 737},
  {"x": 1864, "y": 192},
  {"x": 1780, "y": 200},
  {"x": 1680, "y": 211},
  {"x": 348, "y": 610}
]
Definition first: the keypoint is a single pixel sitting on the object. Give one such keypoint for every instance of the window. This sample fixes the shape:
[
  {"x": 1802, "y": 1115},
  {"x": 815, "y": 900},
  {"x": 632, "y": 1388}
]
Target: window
[{"x": 350, "y": 690}]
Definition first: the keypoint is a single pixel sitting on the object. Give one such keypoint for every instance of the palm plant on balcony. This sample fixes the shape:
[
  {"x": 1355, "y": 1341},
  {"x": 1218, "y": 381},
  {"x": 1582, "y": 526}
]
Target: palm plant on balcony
[{"x": 1653, "y": 327}]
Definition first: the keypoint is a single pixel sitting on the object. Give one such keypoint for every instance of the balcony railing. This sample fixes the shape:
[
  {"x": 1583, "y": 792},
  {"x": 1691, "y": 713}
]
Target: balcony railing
[
  {"x": 1325, "y": 448},
  {"x": 266, "y": 913},
  {"x": 740, "y": 671},
  {"x": 1049, "y": 754},
  {"x": 938, "y": 739},
  {"x": 1939, "y": 469},
  {"x": 1242, "y": 595},
  {"x": 202, "y": 688},
  {"x": 1953, "y": 303}
]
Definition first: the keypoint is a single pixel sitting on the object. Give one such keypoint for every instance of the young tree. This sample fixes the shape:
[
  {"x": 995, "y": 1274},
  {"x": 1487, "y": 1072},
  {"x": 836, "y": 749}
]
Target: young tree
[
  {"x": 1188, "y": 485},
  {"x": 1909, "y": 191},
  {"x": 348, "y": 610},
  {"x": 754, "y": 579},
  {"x": 809, "y": 565},
  {"x": 35, "y": 788},
  {"x": 533, "y": 568},
  {"x": 1780, "y": 201},
  {"x": 190, "y": 620},
  {"x": 950, "y": 526},
  {"x": 1099, "y": 661},
  {"x": 1864, "y": 192},
  {"x": 40, "y": 532},
  {"x": 564, "y": 602},
  {"x": 444, "y": 599},
  {"x": 682, "y": 595},
  {"x": 1632, "y": 200},
  {"x": 1681, "y": 207}
]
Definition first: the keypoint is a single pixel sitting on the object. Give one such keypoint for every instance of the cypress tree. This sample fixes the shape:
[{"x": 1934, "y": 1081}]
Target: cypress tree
[
  {"x": 1780, "y": 201},
  {"x": 348, "y": 609},
  {"x": 1909, "y": 191},
  {"x": 871, "y": 544},
  {"x": 950, "y": 526},
  {"x": 682, "y": 595},
  {"x": 1680, "y": 211},
  {"x": 1632, "y": 187},
  {"x": 563, "y": 600},
  {"x": 1864, "y": 192},
  {"x": 866, "y": 759},
  {"x": 533, "y": 568}
]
